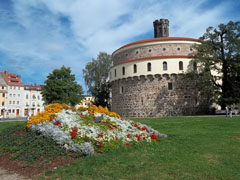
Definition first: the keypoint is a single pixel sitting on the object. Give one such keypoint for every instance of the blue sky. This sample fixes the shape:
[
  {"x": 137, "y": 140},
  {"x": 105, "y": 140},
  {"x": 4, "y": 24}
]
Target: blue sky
[{"x": 37, "y": 36}]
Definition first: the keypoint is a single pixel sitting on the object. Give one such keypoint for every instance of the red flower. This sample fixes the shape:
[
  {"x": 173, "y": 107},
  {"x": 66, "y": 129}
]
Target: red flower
[
  {"x": 154, "y": 137},
  {"x": 57, "y": 123},
  {"x": 100, "y": 144},
  {"x": 129, "y": 136},
  {"x": 138, "y": 137},
  {"x": 86, "y": 139},
  {"x": 100, "y": 135},
  {"x": 73, "y": 134},
  {"x": 75, "y": 128},
  {"x": 144, "y": 129},
  {"x": 116, "y": 138},
  {"x": 127, "y": 144}
]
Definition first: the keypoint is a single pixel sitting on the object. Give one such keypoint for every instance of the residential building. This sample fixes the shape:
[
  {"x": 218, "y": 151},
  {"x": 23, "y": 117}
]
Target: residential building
[
  {"x": 22, "y": 100},
  {"x": 15, "y": 90},
  {"x": 33, "y": 102},
  {"x": 3, "y": 98}
]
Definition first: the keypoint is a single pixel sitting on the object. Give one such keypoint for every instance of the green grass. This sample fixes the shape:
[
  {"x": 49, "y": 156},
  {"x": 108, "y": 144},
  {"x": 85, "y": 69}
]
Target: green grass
[
  {"x": 27, "y": 146},
  {"x": 4, "y": 125},
  {"x": 197, "y": 148}
]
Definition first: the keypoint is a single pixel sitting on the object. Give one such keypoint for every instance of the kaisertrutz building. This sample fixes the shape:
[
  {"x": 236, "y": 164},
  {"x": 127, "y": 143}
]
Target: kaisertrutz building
[{"x": 148, "y": 76}]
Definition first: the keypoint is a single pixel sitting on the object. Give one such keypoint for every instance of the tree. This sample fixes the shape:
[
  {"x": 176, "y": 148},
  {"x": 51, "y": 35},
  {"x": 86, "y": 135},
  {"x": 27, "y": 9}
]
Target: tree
[
  {"x": 61, "y": 87},
  {"x": 96, "y": 78},
  {"x": 218, "y": 59}
]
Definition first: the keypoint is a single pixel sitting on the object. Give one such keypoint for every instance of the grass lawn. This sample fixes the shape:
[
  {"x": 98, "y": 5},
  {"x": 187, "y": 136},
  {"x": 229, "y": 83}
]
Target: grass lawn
[
  {"x": 4, "y": 125},
  {"x": 197, "y": 148}
]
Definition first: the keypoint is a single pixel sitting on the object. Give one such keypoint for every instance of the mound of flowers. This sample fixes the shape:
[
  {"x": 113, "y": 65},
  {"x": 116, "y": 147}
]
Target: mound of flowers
[{"x": 90, "y": 130}]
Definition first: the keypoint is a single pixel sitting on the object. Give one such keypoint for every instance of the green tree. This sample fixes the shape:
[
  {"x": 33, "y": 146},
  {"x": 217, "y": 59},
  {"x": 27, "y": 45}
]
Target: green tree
[
  {"x": 96, "y": 78},
  {"x": 61, "y": 87},
  {"x": 218, "y": 60}
]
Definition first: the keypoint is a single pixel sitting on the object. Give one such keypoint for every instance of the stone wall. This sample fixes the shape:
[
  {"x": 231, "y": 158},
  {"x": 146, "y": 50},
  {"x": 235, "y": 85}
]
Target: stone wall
[
  {"x": 149, "y": 96},
  {"x": 169, "y": 49}
]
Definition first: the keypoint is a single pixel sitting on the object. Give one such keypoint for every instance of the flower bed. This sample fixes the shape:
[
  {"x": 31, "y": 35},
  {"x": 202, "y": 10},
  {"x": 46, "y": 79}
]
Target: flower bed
[{"x": 96, "y": 129}]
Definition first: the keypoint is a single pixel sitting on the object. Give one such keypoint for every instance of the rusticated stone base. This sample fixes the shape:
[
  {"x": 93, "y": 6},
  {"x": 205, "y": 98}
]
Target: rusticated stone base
[{"x": 149, "y": 96}]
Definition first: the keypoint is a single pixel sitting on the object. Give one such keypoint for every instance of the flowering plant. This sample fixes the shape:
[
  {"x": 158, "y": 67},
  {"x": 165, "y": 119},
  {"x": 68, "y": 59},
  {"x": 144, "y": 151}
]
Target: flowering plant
[{"x": 96, "y": 129}]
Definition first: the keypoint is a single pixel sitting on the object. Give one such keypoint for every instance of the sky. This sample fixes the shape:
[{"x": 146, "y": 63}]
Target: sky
[{"x": 38, "y": 36}]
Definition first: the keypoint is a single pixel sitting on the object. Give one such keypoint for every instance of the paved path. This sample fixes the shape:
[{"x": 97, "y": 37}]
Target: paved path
[
  {"x": 15, "y": 119},
  {"x": 6, "y": 175}
]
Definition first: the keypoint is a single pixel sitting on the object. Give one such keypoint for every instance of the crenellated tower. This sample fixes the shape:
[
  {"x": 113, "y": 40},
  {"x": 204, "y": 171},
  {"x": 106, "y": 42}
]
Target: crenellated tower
[{"x": 161, "y": 28}]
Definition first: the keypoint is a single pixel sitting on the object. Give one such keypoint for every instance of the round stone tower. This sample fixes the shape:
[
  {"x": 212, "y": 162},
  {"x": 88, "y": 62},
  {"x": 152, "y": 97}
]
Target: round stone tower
[{"x": 148, "y": 76}]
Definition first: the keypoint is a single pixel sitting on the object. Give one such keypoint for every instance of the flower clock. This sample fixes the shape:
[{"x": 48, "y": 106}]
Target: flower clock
[{"x": 90, "y": 130}]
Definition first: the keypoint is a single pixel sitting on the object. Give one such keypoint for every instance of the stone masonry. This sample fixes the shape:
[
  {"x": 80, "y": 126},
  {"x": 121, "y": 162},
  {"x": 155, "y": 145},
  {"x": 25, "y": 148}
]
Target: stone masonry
[{"x": 150, "y": 96}]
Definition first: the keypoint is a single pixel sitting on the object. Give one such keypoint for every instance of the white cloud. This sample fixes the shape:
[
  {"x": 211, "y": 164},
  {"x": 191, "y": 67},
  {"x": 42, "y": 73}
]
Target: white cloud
[{"x": 40, "y": 35}]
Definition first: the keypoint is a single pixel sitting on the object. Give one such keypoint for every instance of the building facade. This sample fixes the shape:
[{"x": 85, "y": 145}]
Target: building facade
[
  {"x": 3, "y": 98},
  {"x": 148, "y": 76},
  {"x": 20, "y": 100},
  {"x": 33, "y": 102}
]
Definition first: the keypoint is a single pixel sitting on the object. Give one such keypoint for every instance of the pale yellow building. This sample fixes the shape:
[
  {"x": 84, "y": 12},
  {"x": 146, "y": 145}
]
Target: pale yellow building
[{"x": 3, "y": 98}]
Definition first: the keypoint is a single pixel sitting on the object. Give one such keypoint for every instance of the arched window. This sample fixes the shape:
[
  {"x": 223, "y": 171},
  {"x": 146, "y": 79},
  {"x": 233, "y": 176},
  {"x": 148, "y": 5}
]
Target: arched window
[
  {"x": 194, "y": 66},
  {"x": 149, "y": 67},
  {"x": 165, "y": 66},
  {"x": 180, "y": 65},
  {"x": 123, "y": 70},
  {"x": 115, "y": 72},
  {"x": 134, "y": 68}
]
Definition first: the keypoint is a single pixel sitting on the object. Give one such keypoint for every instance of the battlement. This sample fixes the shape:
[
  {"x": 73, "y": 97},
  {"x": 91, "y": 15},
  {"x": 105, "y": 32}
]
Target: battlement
[{"x": 161, "y": 28}]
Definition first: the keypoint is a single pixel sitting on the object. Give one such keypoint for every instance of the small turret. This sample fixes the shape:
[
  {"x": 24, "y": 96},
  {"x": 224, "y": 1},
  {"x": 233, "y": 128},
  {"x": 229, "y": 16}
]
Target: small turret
[{"x": 161, "y": 28}]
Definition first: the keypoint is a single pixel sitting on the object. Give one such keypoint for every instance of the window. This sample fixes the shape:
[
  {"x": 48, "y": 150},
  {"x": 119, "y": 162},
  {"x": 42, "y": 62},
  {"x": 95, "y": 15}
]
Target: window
[
  {"x": 10, "y": 102},
  {"x": 136, "y": 52},
  {"x": 3, "y": 95},
  {"x": 121, "y": 89},
  {"x": 164, "y": 49},
  {"x": 39, "y": 98},
  {"x": 165, "y": 66},
  {"x": 13, "y": 102},
  {"x": 13, "y": 95},
  {"x": 194, "y": 66},
  {"x": 2, "y": 87},
  {"x": 170, "y": 86},
  {"x": 10, "y": 95},
  {"x": 13, "y": 110},
  {"x": 123, "y": 71},
  {"x": 149, "y": 67},
  {"x": 17, "y": 102},
  {"x": 110, "y": 75},
  {"x": 149, "y": 50},
  {"x": 3, "y": 103},
  {"x": 115, "y": 72},
  {"x": 134, "y": 68},
  {"x": 180, "y": 65},
  {"x": 191, "y": 49},
  {"x": 27, "y": 96},
  {"x": 178, "y": 49},
  {"x": 34, "y": 97}
]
